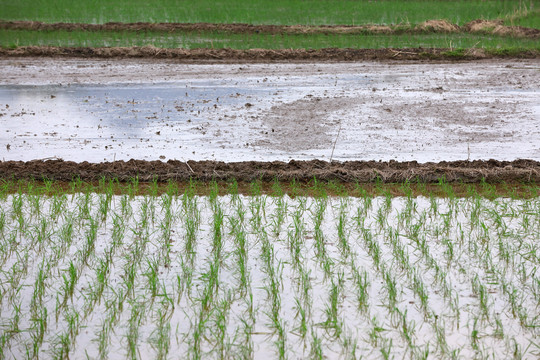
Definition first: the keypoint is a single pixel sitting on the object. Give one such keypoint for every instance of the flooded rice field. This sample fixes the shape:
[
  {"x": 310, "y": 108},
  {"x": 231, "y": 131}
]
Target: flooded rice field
[
  {"x": 102, "y": 110},
  {"x": 90, "y": 275}
]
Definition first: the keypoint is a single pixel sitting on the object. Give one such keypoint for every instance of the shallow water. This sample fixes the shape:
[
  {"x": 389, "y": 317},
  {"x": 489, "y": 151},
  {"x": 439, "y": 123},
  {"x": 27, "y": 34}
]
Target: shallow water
[
  {"x": 456, "y": 249},
  {"x": 95, "y": 110}
]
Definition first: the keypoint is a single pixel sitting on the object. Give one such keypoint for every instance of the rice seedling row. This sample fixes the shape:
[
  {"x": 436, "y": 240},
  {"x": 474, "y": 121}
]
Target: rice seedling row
[{"x": 165, "y": 274}]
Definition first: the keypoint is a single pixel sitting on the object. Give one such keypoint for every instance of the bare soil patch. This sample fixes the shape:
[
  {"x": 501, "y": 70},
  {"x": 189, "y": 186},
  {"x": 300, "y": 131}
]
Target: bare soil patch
[{"x": 492, "y": 171}]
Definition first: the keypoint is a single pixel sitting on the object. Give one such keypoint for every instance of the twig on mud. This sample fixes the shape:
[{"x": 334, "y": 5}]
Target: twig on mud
[
  {"x": 49, "y": 158},
  {"x": 396, "y": 53},
  {"x": 335, "y": 141},
  {"x": 189, "y": 167}
]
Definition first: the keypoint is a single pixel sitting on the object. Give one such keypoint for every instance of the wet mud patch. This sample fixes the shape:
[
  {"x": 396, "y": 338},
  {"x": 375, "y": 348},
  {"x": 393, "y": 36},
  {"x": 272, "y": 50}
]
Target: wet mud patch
[{"x": 315, "y": 125}]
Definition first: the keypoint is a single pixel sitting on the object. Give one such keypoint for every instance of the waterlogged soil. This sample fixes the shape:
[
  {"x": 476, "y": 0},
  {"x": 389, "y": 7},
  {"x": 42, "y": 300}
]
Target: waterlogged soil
[
  {"x": 494, "y": 27},
  {"x": 100, "y": 110}
]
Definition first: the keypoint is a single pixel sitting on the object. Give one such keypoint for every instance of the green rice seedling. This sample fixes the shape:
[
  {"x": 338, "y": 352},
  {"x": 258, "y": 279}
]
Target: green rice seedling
[
  {"x": 70, "y": 281},
  {"x": 17, "y": 202},
  {"x": 154, "y": 187},
  {"x": 103, "y": 339},
  {"x": 12, "y": 328},
  {"x": 301, "y": 316},
  {"x": 39, "y": 329},
  {"x": 134, "y": 323},
  {"x": 391, "y": 288},
  {"x": 118, "y": 231},
  {"x": 381, "y": 218},
  {"x": 58, "y": 206},
  {"x": 407, "y": 329},
  {"x": 104, "y": 205},
  {"x": 333, "y": 321},
  {"x": 343, "y": 241},
  {"x": 152, "y": 277},
  {"x": 434, "y": 206},
  {"x": 373, "y": 247},
  {"x": 232, "y": 190},
  {"x": 73, "y": 324},
  {"x": 161, "y": 338},
  {"x": 2, "y": 223},
  {"x": 130, "y": 274},
  {"x": 133, "y": 187},
  {"x": 375, "y": 332},
  {"x": 316, "y": 351},
  {"x": 221, "y": 319},
  {"x": 5, "y": 186},
  {"x": 440, "y": 335},
  {"x": 362, "y": 283},
  {"x": 386, "y": 348},
  {"x": 166, "y": 230},
  {"x": 474, "y": 337},
  {"x": 295, "y": 240},
  {"x": 84, "y": 205},
  {"x": 421, "y": 353},
  {"x": 320, "y": 247},
  {"x": 62, "y": 347},
  {"x": 279, "y": 215},
  {"x": 90, "y": 244},
  {"x": 241, "y": 252},
  {"x": 39, "y": 288},
  {"x": 126, "y": 206},
  {"x": 420, "y": 290}
]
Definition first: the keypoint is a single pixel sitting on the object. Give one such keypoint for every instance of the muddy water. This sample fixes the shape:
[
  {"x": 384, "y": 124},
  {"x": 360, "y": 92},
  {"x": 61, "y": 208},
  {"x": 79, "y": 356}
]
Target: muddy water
[{"x": 117, "y": 110}]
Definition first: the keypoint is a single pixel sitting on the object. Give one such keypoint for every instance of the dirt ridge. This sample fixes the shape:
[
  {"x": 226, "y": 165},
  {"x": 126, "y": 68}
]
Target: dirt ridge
[
  {"x": 492, "y": 171},
  {"x": 263, "y": 55},
  {"x": 430, "y": 26}
]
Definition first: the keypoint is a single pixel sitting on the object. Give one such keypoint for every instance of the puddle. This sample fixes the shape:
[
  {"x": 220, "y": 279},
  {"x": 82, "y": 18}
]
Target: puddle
[{"x": 102, "y": 111}]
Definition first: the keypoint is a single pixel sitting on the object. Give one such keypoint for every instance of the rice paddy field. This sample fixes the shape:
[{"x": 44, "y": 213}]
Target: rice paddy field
[
  {"x": 279, "y": 12},
  {"x": 316, "y": 179},
  {"x": 511, "y": 26},
  {"x": 88, "y": 272}
]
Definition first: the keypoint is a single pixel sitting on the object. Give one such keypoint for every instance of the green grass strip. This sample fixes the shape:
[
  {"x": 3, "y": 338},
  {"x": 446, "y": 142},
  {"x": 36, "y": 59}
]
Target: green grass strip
[
  {"x": 14, "y": 38},
  {"x": 278, "y": 12}
]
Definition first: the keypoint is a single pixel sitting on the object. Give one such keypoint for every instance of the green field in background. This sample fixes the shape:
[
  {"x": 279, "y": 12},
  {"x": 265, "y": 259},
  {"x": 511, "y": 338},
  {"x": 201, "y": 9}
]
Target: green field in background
[{"x": 278, "y": 12}]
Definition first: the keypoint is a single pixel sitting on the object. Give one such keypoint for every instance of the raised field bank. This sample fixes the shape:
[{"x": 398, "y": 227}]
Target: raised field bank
[{"x": 322, "y": 179}]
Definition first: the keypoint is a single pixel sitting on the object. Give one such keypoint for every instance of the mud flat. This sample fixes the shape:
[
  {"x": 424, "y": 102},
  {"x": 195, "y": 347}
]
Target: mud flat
[{"x": 102, "y": 110}]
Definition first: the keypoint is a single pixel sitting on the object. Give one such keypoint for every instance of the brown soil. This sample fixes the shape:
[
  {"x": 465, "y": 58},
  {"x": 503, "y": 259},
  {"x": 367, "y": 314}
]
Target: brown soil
[
  {"x": 259, "y": 55},
  {"x": 351, "y": 171},
  {"x": 439, "y": 26}
]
